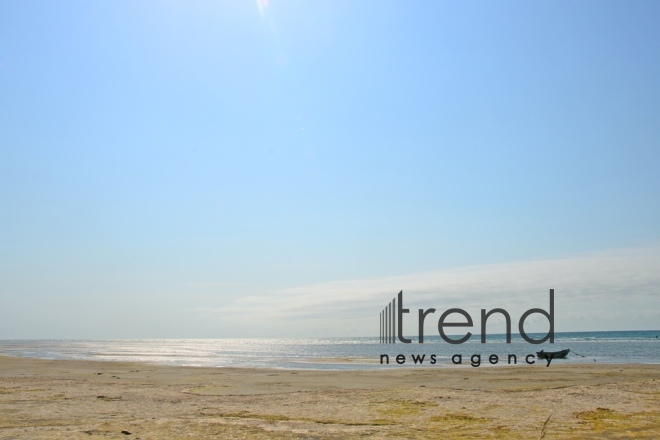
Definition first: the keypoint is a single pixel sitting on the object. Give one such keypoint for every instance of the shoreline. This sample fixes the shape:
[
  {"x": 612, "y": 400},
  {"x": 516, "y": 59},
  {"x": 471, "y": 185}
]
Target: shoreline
[
  {"x": 374, "y": 363},
  {"x": 354, "y": 353}
]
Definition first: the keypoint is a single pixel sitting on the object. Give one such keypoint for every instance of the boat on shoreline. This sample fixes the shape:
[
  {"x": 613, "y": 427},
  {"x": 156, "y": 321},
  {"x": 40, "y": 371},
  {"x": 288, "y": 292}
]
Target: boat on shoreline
[{"x": 561, "y": 354}]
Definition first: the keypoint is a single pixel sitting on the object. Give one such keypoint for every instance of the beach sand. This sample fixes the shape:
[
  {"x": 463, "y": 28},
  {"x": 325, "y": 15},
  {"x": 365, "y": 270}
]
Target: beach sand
[{"x": 92, "y": 399}]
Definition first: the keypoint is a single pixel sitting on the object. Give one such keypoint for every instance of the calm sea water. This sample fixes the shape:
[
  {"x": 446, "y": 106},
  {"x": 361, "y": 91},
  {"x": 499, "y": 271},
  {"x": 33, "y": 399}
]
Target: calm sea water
[{"x": 340, "y": 353}]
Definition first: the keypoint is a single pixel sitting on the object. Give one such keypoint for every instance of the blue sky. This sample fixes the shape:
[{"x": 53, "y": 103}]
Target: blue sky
[{"x": 186, "y": 169}]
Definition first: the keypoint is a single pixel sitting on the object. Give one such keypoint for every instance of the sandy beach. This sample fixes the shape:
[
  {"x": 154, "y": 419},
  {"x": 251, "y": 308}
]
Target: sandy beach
[{"x": 91, "y": 399}]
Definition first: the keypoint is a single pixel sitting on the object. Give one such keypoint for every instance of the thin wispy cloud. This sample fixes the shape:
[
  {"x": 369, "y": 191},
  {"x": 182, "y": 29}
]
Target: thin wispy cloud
[{"x": 592, "y": 292}]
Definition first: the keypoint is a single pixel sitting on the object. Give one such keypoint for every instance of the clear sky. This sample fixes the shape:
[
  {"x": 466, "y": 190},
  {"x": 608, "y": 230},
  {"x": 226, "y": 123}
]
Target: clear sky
[{"x": 239, "y": 168}]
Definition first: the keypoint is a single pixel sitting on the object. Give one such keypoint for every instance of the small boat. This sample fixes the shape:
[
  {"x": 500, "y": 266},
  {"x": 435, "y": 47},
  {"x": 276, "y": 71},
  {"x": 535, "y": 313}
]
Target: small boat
[{"x": 561, "y": 354}]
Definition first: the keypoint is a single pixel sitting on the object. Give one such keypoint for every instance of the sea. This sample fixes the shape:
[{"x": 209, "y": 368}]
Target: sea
[{"x": 357, "y": 353}]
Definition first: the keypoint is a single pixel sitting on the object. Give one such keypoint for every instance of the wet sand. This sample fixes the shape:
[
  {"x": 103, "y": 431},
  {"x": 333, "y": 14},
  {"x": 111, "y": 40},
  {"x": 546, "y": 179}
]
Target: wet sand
[{"x": 91, "y": 399}]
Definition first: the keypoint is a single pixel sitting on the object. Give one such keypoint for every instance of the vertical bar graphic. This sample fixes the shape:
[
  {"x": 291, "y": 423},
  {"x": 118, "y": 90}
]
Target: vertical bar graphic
[
  {"x": 384, "y": 327},
  {"x": 391, "y": 323},
  {"x": 388, "y": 317}
]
